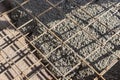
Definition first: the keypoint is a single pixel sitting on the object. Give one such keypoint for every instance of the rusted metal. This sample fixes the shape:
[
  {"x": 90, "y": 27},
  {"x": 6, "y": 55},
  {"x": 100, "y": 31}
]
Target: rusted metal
[{"x": 42, "y": 69}]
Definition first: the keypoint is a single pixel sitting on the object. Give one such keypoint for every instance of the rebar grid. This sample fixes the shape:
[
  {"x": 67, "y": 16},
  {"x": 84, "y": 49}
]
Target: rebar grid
[{"x": 84, "y": 60}]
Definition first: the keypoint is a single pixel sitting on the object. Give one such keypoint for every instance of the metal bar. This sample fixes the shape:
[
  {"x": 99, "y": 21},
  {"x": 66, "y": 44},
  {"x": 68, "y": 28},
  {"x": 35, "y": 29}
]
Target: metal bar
[
  {"x": 33, "y": 45},
  {"x": 96, "y": 18}
]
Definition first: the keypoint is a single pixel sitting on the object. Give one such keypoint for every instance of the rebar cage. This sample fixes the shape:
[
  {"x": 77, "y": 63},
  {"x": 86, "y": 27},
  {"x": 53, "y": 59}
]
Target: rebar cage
[{"x": 65, "y": 40}]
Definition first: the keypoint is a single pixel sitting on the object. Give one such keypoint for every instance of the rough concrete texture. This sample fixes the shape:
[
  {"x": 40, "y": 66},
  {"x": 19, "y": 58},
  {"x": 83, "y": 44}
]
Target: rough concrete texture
[{"x": 63, "y": 58}]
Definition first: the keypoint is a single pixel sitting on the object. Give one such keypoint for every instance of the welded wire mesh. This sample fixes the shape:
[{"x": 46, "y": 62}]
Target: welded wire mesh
[{"x": 63, "y": 40}]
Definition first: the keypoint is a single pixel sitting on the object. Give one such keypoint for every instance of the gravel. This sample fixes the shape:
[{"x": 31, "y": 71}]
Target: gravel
[
  {"x": 82, "y": 73},
  {"x": 46, "y": 43},
  {"x": 66, "y": 29},
  {"x": 83, "y": 44},
  {"x": 63, "y": 58}
]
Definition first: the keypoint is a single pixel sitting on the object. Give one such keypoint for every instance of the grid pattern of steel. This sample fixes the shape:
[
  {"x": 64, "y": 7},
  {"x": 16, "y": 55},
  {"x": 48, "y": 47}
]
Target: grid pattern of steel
[{"x": 43, "y": 65}]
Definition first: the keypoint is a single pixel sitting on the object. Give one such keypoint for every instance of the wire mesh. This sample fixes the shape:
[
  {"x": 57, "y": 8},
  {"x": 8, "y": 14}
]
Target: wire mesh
[{"x": 29, "y": 60}]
